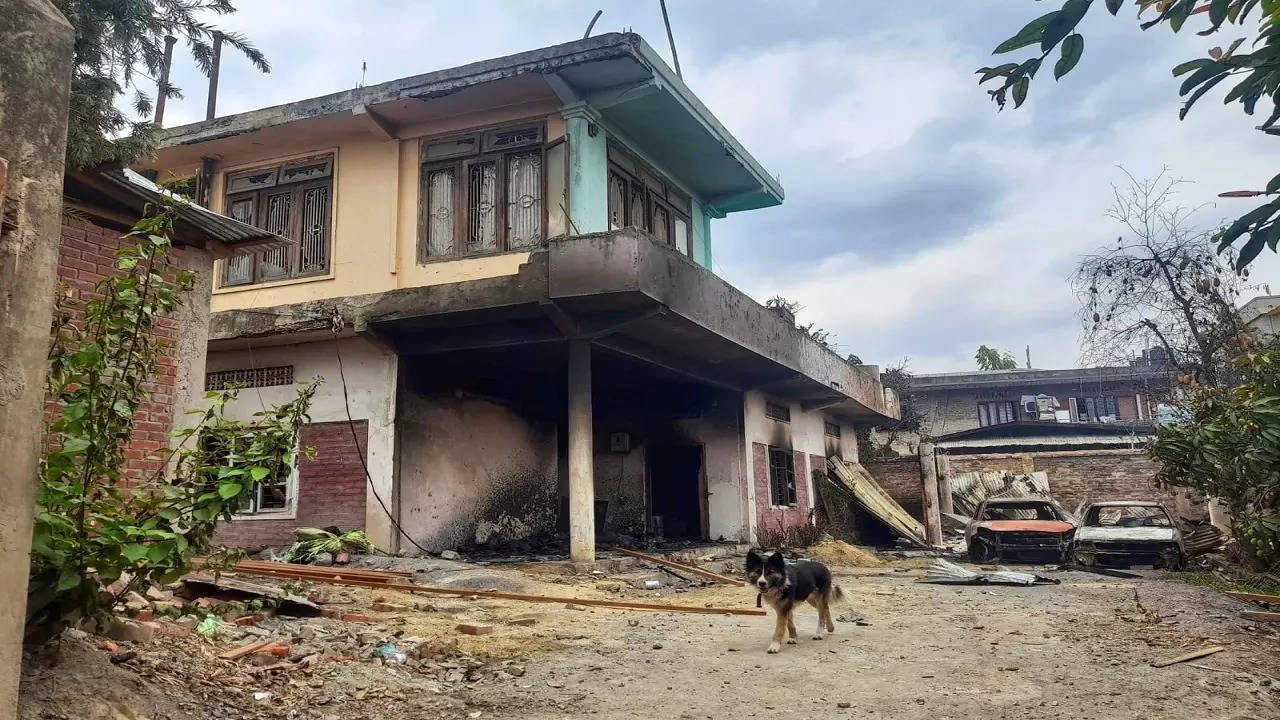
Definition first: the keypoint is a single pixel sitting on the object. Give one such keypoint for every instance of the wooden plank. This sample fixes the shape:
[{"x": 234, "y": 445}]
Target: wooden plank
[
  {"x": 462, "y": 592},
  {"x": 680, "y": 566},
  {"x": 1261, "y": 616},
  {"x": 1189, "y": 656},
  {"x": 323, "y": 568},
  {"x": 245, "y": 649},
  {"x": 1255, "y": 597}
]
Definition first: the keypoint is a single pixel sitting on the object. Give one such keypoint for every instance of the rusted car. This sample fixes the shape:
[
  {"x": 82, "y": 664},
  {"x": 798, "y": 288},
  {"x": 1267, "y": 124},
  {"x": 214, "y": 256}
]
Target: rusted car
[
  {"x": 1121, "y": 533},
  {"x": 1027, "y": 529}
]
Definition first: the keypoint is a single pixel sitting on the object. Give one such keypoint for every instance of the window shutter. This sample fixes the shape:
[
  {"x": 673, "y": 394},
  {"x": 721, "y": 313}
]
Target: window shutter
[
  {"x": 312, "y": 240},
  {"x": 482, "y": 232},
  {"x": 439, "y": 221}
]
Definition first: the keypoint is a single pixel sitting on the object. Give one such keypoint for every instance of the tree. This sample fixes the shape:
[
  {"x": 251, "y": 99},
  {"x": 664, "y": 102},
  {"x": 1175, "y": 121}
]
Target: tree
[
  {"x": 1256, "y": 73},
  {"x": 1230, "y": 450},
  {"x": 989, "y": 358},
  {"x": 1161, "y": 285},
  {"x": 118, "y": 42},
  {"x": 96, "y": 526},
  {"x": 910, "y": 418},
  {"x": 788, "y": 310}
]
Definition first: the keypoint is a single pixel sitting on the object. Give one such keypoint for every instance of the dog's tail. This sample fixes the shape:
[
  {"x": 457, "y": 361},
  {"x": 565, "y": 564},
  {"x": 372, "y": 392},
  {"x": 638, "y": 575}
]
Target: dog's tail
[{"x": 837, "y": 594}]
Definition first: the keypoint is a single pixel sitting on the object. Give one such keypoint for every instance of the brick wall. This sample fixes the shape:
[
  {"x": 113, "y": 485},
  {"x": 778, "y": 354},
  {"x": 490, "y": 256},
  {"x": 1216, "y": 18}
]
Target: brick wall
[
  {"x": 767, "y": 515},
  {"x": 1074, "y": 475},
  {"x": 901, "y": 479},
  {"x": 331, "y": 489},
  {"x": 85, "y": 256}
]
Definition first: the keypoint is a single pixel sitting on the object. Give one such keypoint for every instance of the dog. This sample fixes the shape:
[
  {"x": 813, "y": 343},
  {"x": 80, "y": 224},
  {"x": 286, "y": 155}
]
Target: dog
[{"x": 784, "y": 585}]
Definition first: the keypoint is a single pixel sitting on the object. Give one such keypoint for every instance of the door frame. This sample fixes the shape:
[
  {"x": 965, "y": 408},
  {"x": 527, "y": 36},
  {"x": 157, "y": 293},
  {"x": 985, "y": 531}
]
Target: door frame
[{"x": 704, "y": 521}]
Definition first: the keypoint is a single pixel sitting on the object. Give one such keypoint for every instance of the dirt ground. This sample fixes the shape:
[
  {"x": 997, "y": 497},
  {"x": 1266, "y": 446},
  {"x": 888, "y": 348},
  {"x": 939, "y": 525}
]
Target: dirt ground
[{"x": 902, "y": 649}]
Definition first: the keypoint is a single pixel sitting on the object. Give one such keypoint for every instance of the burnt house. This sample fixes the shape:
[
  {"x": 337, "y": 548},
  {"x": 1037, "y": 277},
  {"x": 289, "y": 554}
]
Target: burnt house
[{"x": 502, "y": 272}]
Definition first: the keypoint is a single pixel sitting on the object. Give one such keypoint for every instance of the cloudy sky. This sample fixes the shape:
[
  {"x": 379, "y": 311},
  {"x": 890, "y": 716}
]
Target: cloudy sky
[{"x": 919, "y": 222}]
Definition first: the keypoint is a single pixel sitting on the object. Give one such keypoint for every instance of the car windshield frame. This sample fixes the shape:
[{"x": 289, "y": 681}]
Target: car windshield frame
[
  {"x": 1092, "y": 516},
  {"x": 1022, "y": 506}
]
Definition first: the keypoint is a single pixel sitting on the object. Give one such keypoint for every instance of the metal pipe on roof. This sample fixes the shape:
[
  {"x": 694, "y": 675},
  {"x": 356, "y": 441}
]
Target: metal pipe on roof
[
  {"x": 211, "y": 108},
  {"x": 592, "y": 24},
  {"x": 162, "y": 87},
  {"x": 670, "y": 39}
]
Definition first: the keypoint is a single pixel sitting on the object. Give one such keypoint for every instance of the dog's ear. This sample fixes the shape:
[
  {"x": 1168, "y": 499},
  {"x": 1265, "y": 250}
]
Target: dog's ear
[
  {"x": 755, "y": 561},
  {"x": 776, "y": 562}
]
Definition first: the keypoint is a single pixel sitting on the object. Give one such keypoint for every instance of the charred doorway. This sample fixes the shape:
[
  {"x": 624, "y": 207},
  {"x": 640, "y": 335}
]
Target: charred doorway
[{"x": 676, "y": 491}]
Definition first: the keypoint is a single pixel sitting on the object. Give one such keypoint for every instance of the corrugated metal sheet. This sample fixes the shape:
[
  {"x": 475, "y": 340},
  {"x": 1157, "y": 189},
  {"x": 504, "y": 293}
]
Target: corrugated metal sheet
[
  {"x": 968, "y": 490},
  {"x": 233, "y": 233},
  {"x": 868, "y": 493}
]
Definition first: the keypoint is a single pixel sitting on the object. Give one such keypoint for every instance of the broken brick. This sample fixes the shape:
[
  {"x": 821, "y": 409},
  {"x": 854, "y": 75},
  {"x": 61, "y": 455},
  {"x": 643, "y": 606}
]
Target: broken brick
[
  {"x": 474, "y": 629},
  {"x": 356, "y": 617},
  {"x": 245, "y": 621}
]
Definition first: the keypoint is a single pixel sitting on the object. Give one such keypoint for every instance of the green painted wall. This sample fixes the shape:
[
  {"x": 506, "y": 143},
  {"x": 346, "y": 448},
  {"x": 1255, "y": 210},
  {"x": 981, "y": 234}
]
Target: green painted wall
[
  {"x": 701, "y": 235},
  {"x": 588, "y": 170}
]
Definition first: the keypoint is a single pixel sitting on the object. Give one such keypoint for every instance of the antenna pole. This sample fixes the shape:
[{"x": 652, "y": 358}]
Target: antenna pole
[{"x": 666, "y": 21}]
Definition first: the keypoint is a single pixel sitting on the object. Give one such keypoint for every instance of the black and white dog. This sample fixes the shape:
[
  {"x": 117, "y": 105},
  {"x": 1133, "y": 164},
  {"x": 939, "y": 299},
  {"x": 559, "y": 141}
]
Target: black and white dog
[{"x": 784, "y": 585}]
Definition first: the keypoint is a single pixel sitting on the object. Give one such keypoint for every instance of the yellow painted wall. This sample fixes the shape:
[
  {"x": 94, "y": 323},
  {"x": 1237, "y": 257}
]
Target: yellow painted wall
[{"x": 375, "y": 212}]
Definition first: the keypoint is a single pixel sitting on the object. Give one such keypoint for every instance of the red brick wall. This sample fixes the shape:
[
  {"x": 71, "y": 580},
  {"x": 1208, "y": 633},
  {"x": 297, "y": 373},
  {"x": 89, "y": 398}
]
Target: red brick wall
[
  {"x": 901, "y": 479},
  {"x": 85, "y": 256},
  {"x": 1002, "y": 462},
  {"x": 774, "y": 517},
  {"x": 331, "y": 489}
]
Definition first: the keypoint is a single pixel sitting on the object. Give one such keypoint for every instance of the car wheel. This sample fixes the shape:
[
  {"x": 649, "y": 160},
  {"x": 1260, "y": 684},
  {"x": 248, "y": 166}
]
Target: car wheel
[
  {"x": 1172, "y": 559},
  {"x": 981, "y": 551}
]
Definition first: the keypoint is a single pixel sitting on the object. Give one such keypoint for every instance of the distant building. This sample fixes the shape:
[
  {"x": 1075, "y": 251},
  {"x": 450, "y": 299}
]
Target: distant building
[
  {"x": 1262, "y": 314},
  {"x": 958, "y": 401}
]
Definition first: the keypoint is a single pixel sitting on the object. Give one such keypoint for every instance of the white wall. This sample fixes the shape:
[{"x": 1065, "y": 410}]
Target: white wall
[{"x": 370, "y": 371}]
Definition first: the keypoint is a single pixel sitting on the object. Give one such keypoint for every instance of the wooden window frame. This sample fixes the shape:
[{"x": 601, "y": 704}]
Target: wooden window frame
[
  {"x": 782, "y": 476},
  {"x": 827, "y": 429},
  {"x": 461, "y": 163},
  {"x": 658, "y": 193},
  {"x": 297, "y": 190}
]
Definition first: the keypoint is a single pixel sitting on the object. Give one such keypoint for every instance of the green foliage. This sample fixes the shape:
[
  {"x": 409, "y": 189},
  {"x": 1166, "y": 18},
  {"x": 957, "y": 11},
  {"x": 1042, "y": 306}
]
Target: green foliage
[
  {"x": 1231, "y": 450},
  {"x": 1255, "y": 73},
  {"x": 115, "y": 42},
  {"x": 327, "y": 543},
  {"x": 95, "y": 524},
  {"x": 989, "y": 358}
]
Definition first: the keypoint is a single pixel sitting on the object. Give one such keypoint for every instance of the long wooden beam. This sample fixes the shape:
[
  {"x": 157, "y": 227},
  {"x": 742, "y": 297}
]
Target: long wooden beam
[
  {"x": 338, "y": 579},
  {"x": 333, "y": 570},
  {"x": 680, "y": 566},
  {"x": 1255, "y": 597}
]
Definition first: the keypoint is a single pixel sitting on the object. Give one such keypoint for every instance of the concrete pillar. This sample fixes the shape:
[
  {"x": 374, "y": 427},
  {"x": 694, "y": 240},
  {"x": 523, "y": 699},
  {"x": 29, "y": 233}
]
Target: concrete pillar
[
  {"x": 929, "y": 482},
  {"x": 588, "y": 170},
  {"x": 582, "y": 491},
  {"x": 35, "y": 77},
  {"x": 945, "y": 503}
]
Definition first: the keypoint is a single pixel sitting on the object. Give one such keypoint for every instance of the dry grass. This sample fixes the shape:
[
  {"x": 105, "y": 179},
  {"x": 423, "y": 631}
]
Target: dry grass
[{"x": 837, "y": 553}]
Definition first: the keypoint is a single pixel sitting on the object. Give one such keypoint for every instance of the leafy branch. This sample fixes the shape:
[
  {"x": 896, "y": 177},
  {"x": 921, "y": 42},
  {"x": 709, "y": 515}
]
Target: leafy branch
[
  {"x": 1256, "y": 74},
  {"x": 100, "y": 523}
]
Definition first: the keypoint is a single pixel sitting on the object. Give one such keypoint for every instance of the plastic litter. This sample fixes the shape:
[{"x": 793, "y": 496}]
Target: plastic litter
[
  {"x": 262, "y": 696},
  {"x": 391, "y": 655},
  {"x": 210, "y": 626}
]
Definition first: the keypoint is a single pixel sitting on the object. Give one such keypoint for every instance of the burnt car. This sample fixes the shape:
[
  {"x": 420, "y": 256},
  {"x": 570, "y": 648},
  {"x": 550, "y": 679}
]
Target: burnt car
[
  {"x": 1027, "y": 529},
  {"x": 1121, "y": 533}
]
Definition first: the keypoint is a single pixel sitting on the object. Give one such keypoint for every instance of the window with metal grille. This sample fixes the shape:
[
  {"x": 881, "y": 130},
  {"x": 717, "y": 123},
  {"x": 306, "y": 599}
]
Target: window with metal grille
[
  {"x": 640, "y": 197},
  {"x": 292, "y": 200},
  {"x": 481, "y": 193},
  {"x": 774, "y": 411},
  {"x": 274, "y": 495},
  {"x": 782, "y": 477},
  {"x": 249, "y": 377},
  {"x": 831, "y": 429},
  {"x": 996, "y": 413}
]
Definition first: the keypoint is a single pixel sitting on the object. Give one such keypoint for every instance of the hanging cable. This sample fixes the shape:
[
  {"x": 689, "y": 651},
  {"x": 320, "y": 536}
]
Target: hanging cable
[{"x": 351, "y": 423}]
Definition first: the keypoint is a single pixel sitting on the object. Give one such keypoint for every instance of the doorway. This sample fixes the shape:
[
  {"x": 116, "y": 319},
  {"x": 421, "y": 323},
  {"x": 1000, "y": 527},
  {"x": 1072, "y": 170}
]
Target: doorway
[{"x": 675, "y": 491}]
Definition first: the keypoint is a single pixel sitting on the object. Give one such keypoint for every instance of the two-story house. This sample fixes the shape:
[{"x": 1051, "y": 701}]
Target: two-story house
[{"x": 502, "y": 272}]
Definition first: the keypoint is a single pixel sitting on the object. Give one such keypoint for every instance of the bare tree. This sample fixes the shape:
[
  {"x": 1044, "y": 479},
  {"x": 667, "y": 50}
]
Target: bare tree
[{"x": 1162, "y": 285}]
